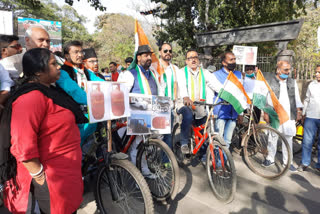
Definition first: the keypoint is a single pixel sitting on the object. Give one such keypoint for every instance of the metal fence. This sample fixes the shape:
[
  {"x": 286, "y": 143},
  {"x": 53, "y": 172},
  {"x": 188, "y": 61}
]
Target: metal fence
[{"x": 303, "y": 69}]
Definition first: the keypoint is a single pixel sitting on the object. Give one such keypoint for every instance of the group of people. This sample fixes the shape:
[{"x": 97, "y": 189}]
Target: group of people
[{"x": 44, "y": 119}]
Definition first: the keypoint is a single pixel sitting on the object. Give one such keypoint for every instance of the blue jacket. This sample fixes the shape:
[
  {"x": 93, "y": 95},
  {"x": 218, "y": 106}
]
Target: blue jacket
[
  {"x": 72, "y": 88},
  {"x": 224, "y": 111},
  {"x": 152, "y": 83}
]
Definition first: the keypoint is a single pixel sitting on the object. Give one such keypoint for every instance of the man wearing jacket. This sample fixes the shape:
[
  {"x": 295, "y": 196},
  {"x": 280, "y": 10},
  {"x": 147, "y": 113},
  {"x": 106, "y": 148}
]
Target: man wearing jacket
[
  {"x": 226, "y": 116},
  {"x": 73, "y": 78}
]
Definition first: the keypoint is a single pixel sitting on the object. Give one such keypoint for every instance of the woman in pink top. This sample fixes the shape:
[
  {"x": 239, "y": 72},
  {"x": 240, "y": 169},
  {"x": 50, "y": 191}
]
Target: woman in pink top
[{"x": 45, "y": 141}]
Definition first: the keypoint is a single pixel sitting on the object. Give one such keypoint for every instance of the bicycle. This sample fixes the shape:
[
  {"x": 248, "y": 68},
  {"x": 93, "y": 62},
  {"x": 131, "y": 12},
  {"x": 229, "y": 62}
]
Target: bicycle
[
  {"x": 219, "y": 162},
  {"x": 160, "y": 160},
  {"x": 119, "y": 186},
  {"x": 254, "y": 143}
]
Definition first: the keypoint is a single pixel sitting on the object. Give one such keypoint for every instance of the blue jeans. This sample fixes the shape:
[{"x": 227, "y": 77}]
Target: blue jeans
[
  {"x": 311, "y": 126},
  {"x": 185, "y": 127},
  {"x": 225, "y": 129}
]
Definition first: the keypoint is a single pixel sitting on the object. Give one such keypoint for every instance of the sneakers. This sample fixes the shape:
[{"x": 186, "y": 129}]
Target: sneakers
[
  {"x": 185, "y": 149},
  {"x": 292, "y": 168},
  {"x": 267, "y": 163},
  {"x": 302, "y": 168}
]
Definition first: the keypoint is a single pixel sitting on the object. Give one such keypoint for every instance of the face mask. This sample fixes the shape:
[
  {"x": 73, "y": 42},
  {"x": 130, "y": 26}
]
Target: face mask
[
  {"x": 283, "y": 76},
  {"x": 231, "y": 67},
  {"x": 250, "y": 75}
]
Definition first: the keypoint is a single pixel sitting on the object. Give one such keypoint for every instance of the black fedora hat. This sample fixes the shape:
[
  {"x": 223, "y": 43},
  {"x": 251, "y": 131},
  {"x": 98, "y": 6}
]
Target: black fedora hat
[{"x": 144, "y": 49}]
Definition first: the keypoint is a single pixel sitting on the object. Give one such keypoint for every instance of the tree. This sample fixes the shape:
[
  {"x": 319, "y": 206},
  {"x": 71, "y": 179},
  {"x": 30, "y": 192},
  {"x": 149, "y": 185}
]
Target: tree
[
  {"x": 185, "y": 18},
  {"x": 115, "y": 39}
]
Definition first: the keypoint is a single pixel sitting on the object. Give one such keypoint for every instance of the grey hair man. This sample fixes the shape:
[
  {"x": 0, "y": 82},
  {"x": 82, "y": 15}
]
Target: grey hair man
[{"x": 37, "y": 37}]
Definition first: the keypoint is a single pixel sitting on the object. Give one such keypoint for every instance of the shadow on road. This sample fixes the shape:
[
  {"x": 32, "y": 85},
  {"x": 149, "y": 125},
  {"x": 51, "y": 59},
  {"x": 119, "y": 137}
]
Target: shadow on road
[{"x": 173, "y": 204}]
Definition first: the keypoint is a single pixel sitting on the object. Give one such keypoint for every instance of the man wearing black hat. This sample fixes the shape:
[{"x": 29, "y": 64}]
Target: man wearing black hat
[
  {"x": 145, "y": 80},
  {"x": 91, "y": 62}
]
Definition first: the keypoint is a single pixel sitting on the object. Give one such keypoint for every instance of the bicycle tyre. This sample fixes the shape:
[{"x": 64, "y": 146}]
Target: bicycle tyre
[
  {"x": 296, "y": 146},
  {"x": 159, "y": 170},
  {"x": 221, "y": 177},
  {"x": 137, "y": 183},
  {"x": 255, "y": 151}
]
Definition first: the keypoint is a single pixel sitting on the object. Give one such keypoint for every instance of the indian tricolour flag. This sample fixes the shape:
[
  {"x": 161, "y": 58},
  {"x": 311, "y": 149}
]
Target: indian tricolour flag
[
  {"x": 265, "y": 99},
  {"x": 142, "y": 39},
  {"x": 234, "y": 93}
]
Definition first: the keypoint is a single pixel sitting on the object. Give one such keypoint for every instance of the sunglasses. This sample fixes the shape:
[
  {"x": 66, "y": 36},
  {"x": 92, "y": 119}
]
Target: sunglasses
[
  {"x": 17, "y": 46},
  {"x": 166, "y": 51}
]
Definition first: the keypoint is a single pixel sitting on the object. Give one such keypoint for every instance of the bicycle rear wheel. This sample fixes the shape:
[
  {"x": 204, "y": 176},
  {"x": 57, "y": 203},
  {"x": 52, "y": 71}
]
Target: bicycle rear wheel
[
  {"x": 158, "y": 164},
  {"x": 221, "y": 170},
  {"x": 132, "y": 190},
  {"x": 256, "y": 146}
]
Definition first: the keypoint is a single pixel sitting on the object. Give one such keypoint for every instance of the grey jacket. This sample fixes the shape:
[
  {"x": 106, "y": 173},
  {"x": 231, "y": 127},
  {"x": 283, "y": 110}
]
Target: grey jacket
[{"x": 275, "y": 86}]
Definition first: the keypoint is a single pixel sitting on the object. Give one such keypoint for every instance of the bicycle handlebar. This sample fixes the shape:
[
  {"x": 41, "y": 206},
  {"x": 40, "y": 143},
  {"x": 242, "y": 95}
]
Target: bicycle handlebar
[{"x": 208, "y": 104}]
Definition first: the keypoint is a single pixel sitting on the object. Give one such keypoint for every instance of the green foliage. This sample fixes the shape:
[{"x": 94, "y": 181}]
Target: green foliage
[
  {"x": 115, "y": 39},
  {"x": 93, "y": 3},
  {"x": 185, "y": 18}
]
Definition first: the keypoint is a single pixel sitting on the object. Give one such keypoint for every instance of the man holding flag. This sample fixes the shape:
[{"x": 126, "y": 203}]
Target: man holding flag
[
  {"x": 228, "y": 114},
  {"x": 286, "y": 90}
]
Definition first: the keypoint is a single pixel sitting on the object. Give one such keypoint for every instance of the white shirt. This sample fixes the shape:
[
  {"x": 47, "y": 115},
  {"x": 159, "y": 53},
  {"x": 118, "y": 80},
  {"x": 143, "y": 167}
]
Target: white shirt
[
  {"x": 127, "y": 78},
  {"x": 289, "y": 127},
  {"x": 312, "y": 100},
  {"x": 171, "y": 69},
  {"x": 248, "y": 85},
  {"x": 13, "y": 64},
  {"x": 5, "y": 80}
]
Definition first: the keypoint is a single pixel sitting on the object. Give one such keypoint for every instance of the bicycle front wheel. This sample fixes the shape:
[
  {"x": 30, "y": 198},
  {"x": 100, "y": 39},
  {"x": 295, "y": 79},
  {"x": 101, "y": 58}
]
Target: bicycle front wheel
[
  {"x": 159, "y": 166},
  {"x": 221, "y": 170},
  {"x": 124, "y": 191},
  {"x": 263, "y": 143}
]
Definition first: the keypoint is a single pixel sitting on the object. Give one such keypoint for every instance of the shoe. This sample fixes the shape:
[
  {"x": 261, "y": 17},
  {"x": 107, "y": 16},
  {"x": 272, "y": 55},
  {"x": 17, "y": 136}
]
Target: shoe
[
  {"x": 318, "y": 169},
  {"x": 302, "y": 168},
  {"x": 185, "y": 149},
  {"x": 167, "y": 165},
  {"x": 267, "y": 163},
  {"x": 292, "y": 168}
]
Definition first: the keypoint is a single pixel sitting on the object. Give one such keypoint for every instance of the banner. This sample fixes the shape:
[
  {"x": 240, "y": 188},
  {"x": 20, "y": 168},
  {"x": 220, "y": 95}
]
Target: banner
[
  {"x": 149, "y": 115},
  {"x": 52, "y": 27},
  {"x": 6, "y": 24},
  {"x": 246, "y": 55},
  {"x": 107, "y": 101}
]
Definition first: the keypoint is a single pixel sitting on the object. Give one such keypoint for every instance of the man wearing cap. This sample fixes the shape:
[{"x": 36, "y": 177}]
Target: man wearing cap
[
  {"x": 73, "y": 78},
  {"x": 91, "y": 62}
]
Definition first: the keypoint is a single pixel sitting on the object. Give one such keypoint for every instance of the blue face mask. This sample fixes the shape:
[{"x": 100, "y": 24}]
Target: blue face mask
[
  {"x": 284, "y": 76},
  {"x": 250, "y": 75}
]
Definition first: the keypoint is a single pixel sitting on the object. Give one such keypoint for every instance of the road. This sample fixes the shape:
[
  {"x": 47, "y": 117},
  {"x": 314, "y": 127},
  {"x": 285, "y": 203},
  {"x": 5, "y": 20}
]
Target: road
[{"x": 293, "y": 193}]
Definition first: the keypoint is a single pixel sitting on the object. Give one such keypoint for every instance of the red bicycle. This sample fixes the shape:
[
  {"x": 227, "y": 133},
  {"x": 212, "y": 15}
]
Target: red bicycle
[
  {"x": 219, "y": 162},
  {"x": 155, "y": 155}
]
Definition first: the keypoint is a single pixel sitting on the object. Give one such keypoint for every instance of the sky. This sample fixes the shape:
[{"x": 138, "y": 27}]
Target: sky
[{"x": 128, "y": 7}]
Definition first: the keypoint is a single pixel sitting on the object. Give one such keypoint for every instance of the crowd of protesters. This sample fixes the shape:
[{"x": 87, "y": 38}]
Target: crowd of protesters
[{"x": 44, "y": 121}]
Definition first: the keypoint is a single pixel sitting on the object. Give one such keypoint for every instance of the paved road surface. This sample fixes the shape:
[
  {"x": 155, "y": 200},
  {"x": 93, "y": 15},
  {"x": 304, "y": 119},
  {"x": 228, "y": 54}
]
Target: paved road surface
[{"x": 293, "y": 193}]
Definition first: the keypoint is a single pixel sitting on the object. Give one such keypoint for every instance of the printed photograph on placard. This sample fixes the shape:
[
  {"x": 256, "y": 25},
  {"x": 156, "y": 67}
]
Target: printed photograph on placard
[
  {"x": 245, "y": 55},
  {"x": 161, "y": 123},
  {"x": 140, "y": 102},
  {"x": 107, "y": 101},
  {"x": 96, "y": 101},
  {"x": 139, "y": 124},
  {"x": 118, "y": 100},
  {"x": 161, "y": 104}
]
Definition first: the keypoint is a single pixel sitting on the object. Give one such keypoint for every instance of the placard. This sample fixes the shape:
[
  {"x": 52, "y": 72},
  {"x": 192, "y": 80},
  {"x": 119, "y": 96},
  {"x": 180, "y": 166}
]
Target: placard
[
  {"x": 246, "y": 55},
  {"x": 149, "y": 114},
  {"x": 107, "y": 101},
  {"x": 52, "y": 27},
  {"x": 6, "y": 24}
]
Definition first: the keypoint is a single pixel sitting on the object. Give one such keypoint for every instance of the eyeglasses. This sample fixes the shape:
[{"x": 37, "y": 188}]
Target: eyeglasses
[
  {"x": 17, "y": 46},
  {"x": 193, "y": 58},
  {"x": 93, "y": 61},
  {"x": 287, "y": 70},
  {"x": 166, "y": 51}
]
